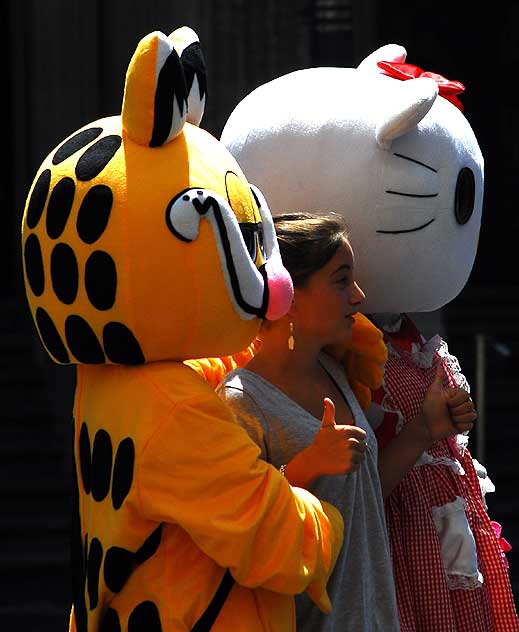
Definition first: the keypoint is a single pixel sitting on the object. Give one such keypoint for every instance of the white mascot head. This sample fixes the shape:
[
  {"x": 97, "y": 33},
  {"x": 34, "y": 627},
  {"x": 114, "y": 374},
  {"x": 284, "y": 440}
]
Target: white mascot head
[{"x": 397, "y": 158}]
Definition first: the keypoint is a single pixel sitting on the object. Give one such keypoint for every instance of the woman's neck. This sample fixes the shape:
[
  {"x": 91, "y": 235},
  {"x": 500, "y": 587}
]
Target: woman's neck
[{"x": 277, "y": 362}]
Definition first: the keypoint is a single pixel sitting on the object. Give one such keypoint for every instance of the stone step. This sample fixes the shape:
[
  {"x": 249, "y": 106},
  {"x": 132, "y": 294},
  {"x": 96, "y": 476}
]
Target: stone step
[
  {"x": 49, "y": 587},
  {"x": 37, "y": 616},
  {"x": 28, "y": 481},
  {"x": 502, "y": 467},
  {"x": 29, "y": 523},
  {"x": 500, "y": 440},
  {"x": 21, "y": 406},
  {"x": 485, "y": 299},
  {"x": 42, "y": 551},
  {"x": 15, "y": 311},
  {"x": 26, "y": 377},
  {"x": 501, "y": 325},
  {"x": 16, "y": 348},
  {"x": 493, "y": 311},
  {"x": 38, "y": 425},
  {"x": 40, "y": 429}
]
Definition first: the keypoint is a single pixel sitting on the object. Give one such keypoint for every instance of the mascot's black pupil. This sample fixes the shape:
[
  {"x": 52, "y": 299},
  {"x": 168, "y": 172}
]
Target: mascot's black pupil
[
  {"x": 252, "y": 236},
  {"x": 262, "y": 243},
  {"x": 465, "y": 195},
  {"x": 249, "y": 237}
]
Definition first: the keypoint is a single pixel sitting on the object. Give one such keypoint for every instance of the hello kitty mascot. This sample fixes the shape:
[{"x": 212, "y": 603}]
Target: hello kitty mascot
[{"x": 387, "y": 145}]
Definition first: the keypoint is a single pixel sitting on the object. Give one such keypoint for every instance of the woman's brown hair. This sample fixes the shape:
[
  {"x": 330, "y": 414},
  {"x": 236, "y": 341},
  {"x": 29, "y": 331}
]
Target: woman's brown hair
[{"x": 307, "y": 242}]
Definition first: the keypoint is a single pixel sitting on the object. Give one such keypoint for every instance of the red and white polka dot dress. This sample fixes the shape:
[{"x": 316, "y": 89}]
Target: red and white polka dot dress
[{"x": 450, "y": 571}]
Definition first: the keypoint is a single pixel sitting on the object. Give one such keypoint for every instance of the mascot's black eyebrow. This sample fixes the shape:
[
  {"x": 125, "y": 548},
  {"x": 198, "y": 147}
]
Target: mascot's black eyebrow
[{"x": 415, "y": 161}]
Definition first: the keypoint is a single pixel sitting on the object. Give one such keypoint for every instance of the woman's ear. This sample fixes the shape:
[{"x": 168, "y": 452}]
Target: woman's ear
[{"x": 291, "y": 314}]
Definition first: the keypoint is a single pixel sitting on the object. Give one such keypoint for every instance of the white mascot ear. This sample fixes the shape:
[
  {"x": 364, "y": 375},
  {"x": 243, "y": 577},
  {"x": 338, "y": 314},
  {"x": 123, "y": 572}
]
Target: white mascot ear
[
  {"x": 411, "y": 102},
  {"x": 389, "y": 52},
  {"x": 185, "y": 41}
]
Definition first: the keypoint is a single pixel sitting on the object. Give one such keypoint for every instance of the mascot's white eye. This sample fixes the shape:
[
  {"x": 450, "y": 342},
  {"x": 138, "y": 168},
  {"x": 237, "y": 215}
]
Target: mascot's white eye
[
  {"x": 185, "y": 210},
  {"x": 465, "y": 196}
]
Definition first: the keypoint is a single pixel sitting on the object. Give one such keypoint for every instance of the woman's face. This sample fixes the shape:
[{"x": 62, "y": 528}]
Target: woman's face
[{"x": 324, "y": 307}]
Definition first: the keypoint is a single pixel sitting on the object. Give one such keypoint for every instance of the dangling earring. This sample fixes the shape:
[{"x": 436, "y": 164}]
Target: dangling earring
[{"x": 291, "y": 340}]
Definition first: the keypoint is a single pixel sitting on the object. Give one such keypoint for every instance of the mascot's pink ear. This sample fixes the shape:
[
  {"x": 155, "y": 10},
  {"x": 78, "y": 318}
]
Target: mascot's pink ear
[
  {"x": 389, "y": 52},
  {"x": 408, "y": 107}
]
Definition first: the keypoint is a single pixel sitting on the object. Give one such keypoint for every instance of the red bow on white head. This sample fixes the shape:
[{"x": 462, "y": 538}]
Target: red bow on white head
[{"x": 446, "y": 88}]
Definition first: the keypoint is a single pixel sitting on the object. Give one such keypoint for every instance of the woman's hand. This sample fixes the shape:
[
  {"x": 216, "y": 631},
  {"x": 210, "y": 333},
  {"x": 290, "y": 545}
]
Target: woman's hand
[
  {"x": 445, "y": 412},
  {"x": 335, "y": 450}
]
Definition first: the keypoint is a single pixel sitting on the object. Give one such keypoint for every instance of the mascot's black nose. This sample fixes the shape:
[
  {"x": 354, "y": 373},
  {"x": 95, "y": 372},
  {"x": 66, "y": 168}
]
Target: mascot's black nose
[{"x": 465, "y": 196}]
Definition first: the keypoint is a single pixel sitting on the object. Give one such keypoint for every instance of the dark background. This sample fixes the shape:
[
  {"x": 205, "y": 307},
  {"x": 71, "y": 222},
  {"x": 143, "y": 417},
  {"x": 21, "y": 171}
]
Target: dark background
[{"x": 64, "y": 65}]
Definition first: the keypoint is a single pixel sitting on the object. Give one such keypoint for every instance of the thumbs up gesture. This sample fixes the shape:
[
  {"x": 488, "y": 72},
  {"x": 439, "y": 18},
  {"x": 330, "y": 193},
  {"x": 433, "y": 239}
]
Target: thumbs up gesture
[
  {"x": 446, "y": 411},
  {"x": 336, "y": 449}
]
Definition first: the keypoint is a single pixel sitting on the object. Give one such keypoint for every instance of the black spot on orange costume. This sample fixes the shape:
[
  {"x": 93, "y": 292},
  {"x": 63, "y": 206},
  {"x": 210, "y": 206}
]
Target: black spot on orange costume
[{"x": 135, "y": 261}]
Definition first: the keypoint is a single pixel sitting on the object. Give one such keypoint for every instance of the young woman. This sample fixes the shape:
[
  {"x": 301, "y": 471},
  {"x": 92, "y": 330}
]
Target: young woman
[{"x": 279, "y": 399}]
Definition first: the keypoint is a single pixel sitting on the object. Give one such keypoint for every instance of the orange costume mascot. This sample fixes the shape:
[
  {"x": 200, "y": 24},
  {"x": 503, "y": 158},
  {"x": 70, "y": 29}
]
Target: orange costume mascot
[{"x": 144, "y": 246}]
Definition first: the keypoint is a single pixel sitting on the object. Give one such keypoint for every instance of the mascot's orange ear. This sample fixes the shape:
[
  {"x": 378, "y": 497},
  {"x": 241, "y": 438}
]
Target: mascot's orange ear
[
  {"x": 155, "y": 94},
  {"x": 185, "y": 42}
]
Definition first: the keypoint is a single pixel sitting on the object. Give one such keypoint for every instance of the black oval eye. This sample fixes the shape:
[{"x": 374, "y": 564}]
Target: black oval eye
[
  {"x": 465, "y": 196},
  {"x": 261, "y": 241},
  {"x": 249, "y": 237}
]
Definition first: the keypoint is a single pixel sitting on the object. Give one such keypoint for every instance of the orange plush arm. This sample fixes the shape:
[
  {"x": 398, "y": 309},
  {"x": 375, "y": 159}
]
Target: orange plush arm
[
  {"x": 201, "y": 471},
  {"x": 213, "y": 370},
  {"x": 363, "y": 358}
]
